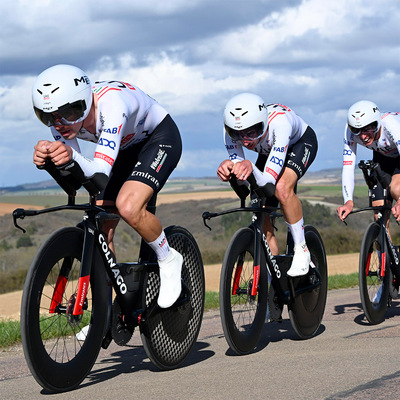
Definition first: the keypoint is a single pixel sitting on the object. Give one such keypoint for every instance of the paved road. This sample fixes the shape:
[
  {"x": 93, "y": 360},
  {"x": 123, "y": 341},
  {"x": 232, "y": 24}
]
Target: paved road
[{"x": 348, "y": 359}]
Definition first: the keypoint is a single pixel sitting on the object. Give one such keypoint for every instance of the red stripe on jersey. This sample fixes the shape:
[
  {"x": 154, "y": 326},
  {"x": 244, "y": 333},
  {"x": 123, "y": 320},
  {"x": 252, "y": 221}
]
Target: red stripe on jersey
[
  {"x": 274, "y": 114},
  {"x": 347, "y": 162},
  {"x": 107, "y": 89}
]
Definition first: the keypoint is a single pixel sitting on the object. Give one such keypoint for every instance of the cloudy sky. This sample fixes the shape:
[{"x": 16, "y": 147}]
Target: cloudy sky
[{"x": 315, "y": 56}]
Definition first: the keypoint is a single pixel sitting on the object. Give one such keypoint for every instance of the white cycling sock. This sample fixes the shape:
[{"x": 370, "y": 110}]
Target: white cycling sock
[
  {"x": 297, "y": 231},
  {"x": 160, "y": 246}
]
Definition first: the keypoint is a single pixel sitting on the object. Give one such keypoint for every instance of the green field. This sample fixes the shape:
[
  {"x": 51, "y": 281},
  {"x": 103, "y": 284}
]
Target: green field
[
  {"x": 55, "y": 197},
  {"x": 329, "y": 191}
]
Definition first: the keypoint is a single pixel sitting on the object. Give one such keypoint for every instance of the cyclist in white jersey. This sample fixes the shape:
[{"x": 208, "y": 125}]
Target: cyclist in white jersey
[
  {"x": 377, "y": 131},
  {"x": 287, "y": 147},
  {"x": 138, "y": 147}
]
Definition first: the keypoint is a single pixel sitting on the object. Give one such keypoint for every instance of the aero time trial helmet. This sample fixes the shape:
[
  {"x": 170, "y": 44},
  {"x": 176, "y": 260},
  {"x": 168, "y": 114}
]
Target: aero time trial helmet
[
  {"x": 363, "y": 114},
  {"x": 62, "y": 95},
  {"x": 245, "y": 117}
]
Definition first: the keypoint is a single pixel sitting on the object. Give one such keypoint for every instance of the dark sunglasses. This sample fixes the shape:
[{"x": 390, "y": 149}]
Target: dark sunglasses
[
  {"x": 68, "y": 114},
  {"x": 252, "y": 133},
  {"x": 357, "y": 131}
]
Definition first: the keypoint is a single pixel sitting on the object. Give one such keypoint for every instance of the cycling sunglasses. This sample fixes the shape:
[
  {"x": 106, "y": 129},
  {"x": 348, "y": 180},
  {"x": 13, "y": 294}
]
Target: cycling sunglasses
[
  {"x": 252, "y": 133},
  {"x": 68, "y": 114},
  {"x": 358, "y": 131}
]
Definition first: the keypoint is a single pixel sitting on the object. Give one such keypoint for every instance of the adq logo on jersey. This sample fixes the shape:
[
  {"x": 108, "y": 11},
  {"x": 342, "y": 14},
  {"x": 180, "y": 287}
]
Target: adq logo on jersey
[
  {"x": 107, "y": 143},
  {"x": 111, "y": 262},
  {"x": 277, "y": 160}
]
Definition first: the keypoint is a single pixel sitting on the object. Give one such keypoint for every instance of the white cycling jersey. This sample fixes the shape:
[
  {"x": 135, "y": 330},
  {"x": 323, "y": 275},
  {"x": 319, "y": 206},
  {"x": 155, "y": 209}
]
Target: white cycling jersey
[
  {"x": 285, "y": 128},
  {"x": 125, "y": 116},
  {"x": 388, "y": 144}
]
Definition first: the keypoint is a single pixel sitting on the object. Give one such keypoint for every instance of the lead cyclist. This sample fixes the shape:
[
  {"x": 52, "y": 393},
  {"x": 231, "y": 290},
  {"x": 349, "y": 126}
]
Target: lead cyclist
[{"x": 138, "y": 145}]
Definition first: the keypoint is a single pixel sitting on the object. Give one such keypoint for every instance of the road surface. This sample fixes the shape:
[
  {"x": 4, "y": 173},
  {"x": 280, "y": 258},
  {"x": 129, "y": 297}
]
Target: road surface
[{"x": 348, "y": 359}]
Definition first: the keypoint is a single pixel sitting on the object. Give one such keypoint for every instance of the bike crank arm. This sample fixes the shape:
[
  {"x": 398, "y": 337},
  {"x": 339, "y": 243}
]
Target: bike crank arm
[
  {"x": 154, "y": 308},
  {"x": 301, "y": 287}
]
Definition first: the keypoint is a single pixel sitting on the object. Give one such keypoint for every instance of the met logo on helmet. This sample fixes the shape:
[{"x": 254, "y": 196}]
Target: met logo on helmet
[
  {"x": 83, "y": 79},
  {"x": 261, "y": 106}
]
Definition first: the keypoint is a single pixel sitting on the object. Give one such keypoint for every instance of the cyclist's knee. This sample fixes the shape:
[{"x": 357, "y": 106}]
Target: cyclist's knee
[
  {"x": 284, "y": 191},
  {"x": 131, "y": 210}
]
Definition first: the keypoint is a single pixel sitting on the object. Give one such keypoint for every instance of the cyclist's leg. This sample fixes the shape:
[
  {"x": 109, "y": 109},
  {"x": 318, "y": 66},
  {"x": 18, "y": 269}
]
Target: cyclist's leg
[
  {"x": 293, "y": 214},
  {"x": 395, "y": 193},
  {"x": 156, "y": 161},
  {"x": 271, "y": 202},
  {"x": 391, "y": 167},
  {"x": 299, "y": 159}
]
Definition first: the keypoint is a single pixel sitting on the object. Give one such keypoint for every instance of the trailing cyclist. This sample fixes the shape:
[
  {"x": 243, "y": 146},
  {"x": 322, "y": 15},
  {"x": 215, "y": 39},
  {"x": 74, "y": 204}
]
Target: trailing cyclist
[
  {"x": 287, "y": 147},
  {"x": 377, "y": 131},
  {"x": 138, "y": 147}
]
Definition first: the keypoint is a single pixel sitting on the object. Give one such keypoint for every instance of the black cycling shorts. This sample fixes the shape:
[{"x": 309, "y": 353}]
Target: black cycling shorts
[
  {"x": 299, "y": 157},
  {"x": 390, "y": 165},
  {"x": 151, "y": 161}
]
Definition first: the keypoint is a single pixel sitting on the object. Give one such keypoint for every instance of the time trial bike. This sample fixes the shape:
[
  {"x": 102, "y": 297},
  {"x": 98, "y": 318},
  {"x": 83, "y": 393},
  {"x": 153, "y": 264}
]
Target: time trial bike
[
  {"x": 69, "y": 287},
  {"x": 379, "y": 265},
  {"x": 244, "y": 294}
]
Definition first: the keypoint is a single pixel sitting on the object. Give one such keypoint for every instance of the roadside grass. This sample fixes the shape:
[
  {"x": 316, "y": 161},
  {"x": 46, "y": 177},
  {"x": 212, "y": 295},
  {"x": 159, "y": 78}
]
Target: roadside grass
[
  {"x": 343, "y": 281},
  {"x": 10, "y": 330}
]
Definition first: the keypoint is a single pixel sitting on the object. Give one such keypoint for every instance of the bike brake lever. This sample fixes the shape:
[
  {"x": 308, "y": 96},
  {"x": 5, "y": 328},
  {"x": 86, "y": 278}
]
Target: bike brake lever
[
  {"x": 19, "y": 213},
  {"x": 272, "y": 220},
  {"x": 208, "y": 215}
]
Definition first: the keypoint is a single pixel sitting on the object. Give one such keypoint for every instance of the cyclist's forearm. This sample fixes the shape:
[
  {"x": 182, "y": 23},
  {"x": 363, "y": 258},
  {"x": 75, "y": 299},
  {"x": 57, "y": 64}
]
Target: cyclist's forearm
[
  {"x": 90, "y": 167},
  {"x": 348, "y": 181}
]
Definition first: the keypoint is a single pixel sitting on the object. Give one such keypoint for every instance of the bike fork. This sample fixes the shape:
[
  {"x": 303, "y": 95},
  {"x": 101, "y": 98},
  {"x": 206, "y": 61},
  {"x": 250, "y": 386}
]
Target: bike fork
[
  {"x": 257, "y": 262},
  {"x": 86, "y": 265},
  {"x": 84, "y": 278}
]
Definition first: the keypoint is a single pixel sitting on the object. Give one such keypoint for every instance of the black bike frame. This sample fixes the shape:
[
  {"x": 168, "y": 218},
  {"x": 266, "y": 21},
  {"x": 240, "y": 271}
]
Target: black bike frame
[
  {"x": 284, "y": 284},
  {"x": 94, "y": 238}
]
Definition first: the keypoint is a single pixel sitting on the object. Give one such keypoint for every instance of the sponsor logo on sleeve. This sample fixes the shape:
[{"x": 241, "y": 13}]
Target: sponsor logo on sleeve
[
  {"x": 159, "y": 160},
  {"x": 104, "y": 157}
]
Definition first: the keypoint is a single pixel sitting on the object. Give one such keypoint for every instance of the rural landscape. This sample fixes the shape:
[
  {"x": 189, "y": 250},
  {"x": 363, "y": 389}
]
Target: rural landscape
[{"x": 181, "y": 202}]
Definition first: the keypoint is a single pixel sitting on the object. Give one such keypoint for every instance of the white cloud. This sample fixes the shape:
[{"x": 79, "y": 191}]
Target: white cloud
[
  {"x": 316, "y": 56},
  {"x": 284, "y": 36},
  {"x": 181, "y": 88}
]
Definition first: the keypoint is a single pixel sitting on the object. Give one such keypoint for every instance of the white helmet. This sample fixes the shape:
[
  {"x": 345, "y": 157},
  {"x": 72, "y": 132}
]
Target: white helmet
[
  {"x": 246, "y": 117},
  {"x": 362, "y": 114},
  {"x": 62, "y": 95}
]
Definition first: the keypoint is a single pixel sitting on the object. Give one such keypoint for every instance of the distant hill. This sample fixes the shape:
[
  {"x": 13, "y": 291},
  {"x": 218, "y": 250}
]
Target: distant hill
[
  {"x": 43, "y": 185},
  {"x": 331, "y": 176}
]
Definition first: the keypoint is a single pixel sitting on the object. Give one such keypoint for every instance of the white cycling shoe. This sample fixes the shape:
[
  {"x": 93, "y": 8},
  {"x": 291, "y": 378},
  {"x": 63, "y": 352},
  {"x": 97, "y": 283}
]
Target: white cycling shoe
[
  {"x": 170, "y": 276},
  {"x": 301, "y": 260},
  {"x": 82, "y": 334}
]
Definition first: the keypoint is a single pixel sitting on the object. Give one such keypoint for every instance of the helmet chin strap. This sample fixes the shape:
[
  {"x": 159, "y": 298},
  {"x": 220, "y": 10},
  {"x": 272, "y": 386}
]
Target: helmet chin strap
[
  {"x": 81, "y": 126},
  {"x": 376, "y": 134}
]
